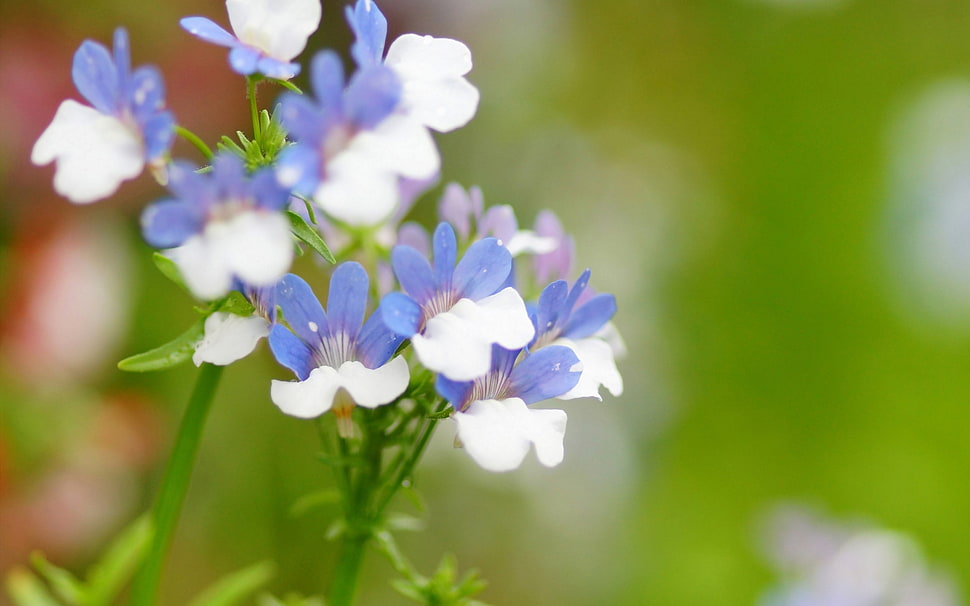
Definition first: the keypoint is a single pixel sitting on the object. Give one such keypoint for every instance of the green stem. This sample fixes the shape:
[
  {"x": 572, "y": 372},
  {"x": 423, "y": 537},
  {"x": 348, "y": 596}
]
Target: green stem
[
  {"x": 348, "y": 569},
  {"x": 175, "y": 484},
  {"x": 253, "y": 110},
  {"x": 194, "y": 140}
]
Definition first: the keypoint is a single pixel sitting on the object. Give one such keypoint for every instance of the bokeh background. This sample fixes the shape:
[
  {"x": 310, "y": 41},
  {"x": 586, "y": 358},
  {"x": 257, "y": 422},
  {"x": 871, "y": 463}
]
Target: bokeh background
[{"x": 778, "y": 192}]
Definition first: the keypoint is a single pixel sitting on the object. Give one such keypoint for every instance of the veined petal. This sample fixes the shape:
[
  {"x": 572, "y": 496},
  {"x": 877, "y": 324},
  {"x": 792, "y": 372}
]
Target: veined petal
[
  {"x": 302, "y": 309},
  {"x": 497, "y": 433},
  {"x": 401, "y": 314},
  {"x": 445, "y": 249},
  {"x": 280, "y": 28},
  {"x": 94, "y": 152},
  {"x": 372, "y": 387},
  {"x": 590, "y": 317},
  {"x": 376, "y": 342},
  {"x": 229, "y": 337},
  {"x": 483, "y": 270},
  {"x": 547, "y": 373},
  {"x": 309, "y": 398},
  {"x": 290, "y": 351},
  {"x": 400, "y": 145},
  {"x": 347, "y": 299},
  {"x": 208, "y": 30},
  {"x": 413, "y": 272},
  {"x": 599, "y": 368},
  {"x": 257, "y": 246},
  {"x": 370, "y": 32}
]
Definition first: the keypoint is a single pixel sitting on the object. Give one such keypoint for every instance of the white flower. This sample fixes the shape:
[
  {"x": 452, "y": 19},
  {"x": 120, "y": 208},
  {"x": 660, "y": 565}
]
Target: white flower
[{"x": 497, "y": 434}]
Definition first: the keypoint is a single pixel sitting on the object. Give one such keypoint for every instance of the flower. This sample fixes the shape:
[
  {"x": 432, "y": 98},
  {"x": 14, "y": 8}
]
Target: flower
[
  {"x": 495, "y": 424},
  {"x": 454, "y": 314},
  {"x": 97, "y": 147},
  {"x": 581, "y": 328},
  {"x": 339, "y": 359},
  {"x": 222, "y": 226},
  {"x": 230, "y": 336},
  {"x": 355, "y": 143},
  {"x": 269, "y": 34}
]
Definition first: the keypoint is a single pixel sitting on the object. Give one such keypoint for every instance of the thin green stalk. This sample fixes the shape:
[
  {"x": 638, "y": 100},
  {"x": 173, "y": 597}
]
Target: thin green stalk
[
  {"x": 253, "y": 110},
  {"x": 348, "y": 569},
  {"x": 194, "y": 140},
  {"x": 175, "y": 484},
  {"x": 406, "y": 467}
]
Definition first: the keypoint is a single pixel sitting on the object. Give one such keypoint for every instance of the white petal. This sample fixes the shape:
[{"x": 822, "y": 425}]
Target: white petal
[
  {"x": 256, "y": 246},
  {"x": 611, "y": 335},
  {"x": 500, "y": 318},
  {"x": 205, "y": 273},
  {"x": 454, "y": 347},
  {"x": 356, "y": 191},
  {"x": 431, "y": 70},
  {"x": 309, "y": 398},
  {"x": 526, "y": 241},
  {"x": 229, "y": 337},
  {"x": 94, "y": 152},
  {"x": 497, "y": 433},
  {"x": 279, "y": 28},
  {"x": 372, "y": 387},
  {"x": 599, "y": 368},
  {"x": 399, "y": 144}
]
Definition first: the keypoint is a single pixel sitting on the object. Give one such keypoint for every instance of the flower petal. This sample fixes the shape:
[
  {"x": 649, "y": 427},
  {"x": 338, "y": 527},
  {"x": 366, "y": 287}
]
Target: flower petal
[
  {"x": 401, "y": 313},
  {"x": 170, "y": 223},
  {"x": 370, "y": 32},
  {"x": 483, "y": 270},
  {"x": 94, "y": 152},
  {"x": 453, "y": 346},
  {"x": 229, "y": 337},
  {"x": 413, "y": 272},
  {"x": 371, "y": 96},
  {"x": 376, "y": 342},
  {"x": 489, "y": 433},
  {"x": 427, "y": 58},
  {"x": 347, "y": 299},
  {"x": 280, "y": 28},
  {"x": 208, "y": 30},
  {"x": 302, "y": 309},
  {"x": 257, "y": 246},
  {"x": 205, "y": 273},
  {"x": 502, "y": 318},
  {"x": 400, "y": 145},
  {"x": 309, "y": 398},
  {"x": 547, "y": 373},
  {"x": 96, "y": 77},
  {"x": 373, "y": 387},
  {"x": 599, "y": 368},
  {"x": 290, "y": 351},
  {"x": 445, "y": 248},
  {"x": 590, "y": 317},
  {"x": 356, "y": 191}
]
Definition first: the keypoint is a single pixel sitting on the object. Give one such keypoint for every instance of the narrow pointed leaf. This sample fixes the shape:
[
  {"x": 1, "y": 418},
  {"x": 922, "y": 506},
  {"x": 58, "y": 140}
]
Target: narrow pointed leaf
[
  {"x": 25, "y": 589},
  {"x": 112, "y": 571},
  {"x": 235, "y": 587},
  {"x": 169, "y": 269},
  {"x": 67, "y": 587},
  {"x": 173, "y": 353},
  {"x": 309, "y": 235}
]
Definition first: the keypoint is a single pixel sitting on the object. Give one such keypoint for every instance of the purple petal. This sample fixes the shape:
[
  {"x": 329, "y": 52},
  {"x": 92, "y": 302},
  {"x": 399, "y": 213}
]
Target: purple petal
[
  {"x": 327, "y": 79},
  {"x": 483, "y": 270},
  {"x": 499, "y": 221},
  {"x": 96, "y": 77},
  {"x": 370, "y": 30},
  {"x": 304, "y": 121},
  {"x": 558, "y": 263},
  {"x": 267, "y": 192},
  {"x": 376, "y": 343},
  {"x": 414, "y": 235},
  {"x": 372, "y": 95},
  {"x": 298, "y": 168},
  {"x": 207, "y": 30},
  {"x": 409, "y": 190},
  {"x": 550, "y": 307},
  {"x": 445, "y": 250},
  {"x": 401, "y": 314},
  {"x": 122, "y": 56},
  {"x": 455, "y": 207},
  {"x": 274, "y": 68},
  {"x": 577, "y": 290},
  {"x": 170, "y": 223},
  {"x": 301, "y": 309},
  {"x": 229, "y": 175},
  {"x": 347, "y": 299},
  {"x": 590, "y": 317},
  {"x": 146, "y": 93},
  {"x": 188, "y": 185},
  {"x": 291, "y": 352},
  {"x": 244, "y": 60},
  {"x": 413, "y": 272},
  {"x": 455, "y": 392},
  {"x": 159, "y": 134},
  {"x": 544, "y": 374}
]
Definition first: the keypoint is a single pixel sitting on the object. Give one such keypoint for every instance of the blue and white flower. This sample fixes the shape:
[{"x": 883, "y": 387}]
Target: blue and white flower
[
  {"x": 495, "y": 424},
  {"x": 354, "y": 144},
  {"x": 560, "y": 319},
  {"x": 339, "y": 359},
  {"x": 97, "y": 147},
  {"x": 269, "y": 34},
  {"x": 229, "y": 337},
  {"x": 454, "y": 314},
  {"x": 222, "y": 227}
]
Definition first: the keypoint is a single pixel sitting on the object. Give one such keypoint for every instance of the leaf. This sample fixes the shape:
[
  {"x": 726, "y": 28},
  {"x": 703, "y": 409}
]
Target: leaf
[
  {"x": 173, "y": 353},
  {"x": 309, "y": 235},
  {"x": 236, "y": 586},
  {"x": 287, "y": 85},
  {"x": 311, "y": 501},
  {"x": 26, "y": 589},
  {"x": 235, "y": 303},
  {"x": 65, "y": 585},
  {"x": 108, "y": 575},
  {"x": 169, "y": 269}
]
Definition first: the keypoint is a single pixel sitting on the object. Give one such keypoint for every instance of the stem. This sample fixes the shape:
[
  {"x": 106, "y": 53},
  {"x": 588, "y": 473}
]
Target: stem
[
  {"x": 175, "y": 484},
  {"x": 194, "y": 140},
  {"x": 348, "y": 568},
  {"x": 253, "y": 110}
]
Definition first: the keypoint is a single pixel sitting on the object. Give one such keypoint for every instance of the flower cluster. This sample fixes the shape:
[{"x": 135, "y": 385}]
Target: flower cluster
[{"x": 343, "y": 163}]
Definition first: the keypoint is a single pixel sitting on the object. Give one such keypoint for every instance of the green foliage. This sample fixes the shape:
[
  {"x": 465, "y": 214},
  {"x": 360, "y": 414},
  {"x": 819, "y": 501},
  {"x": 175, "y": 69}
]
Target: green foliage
[
  {"x": 235, "y": 587},
  {"x": 443, "y": 588},
  {"x": 169, "y": 355},
  {"x": 261, "y": 150},
  {"x": 302, "y": 230}
]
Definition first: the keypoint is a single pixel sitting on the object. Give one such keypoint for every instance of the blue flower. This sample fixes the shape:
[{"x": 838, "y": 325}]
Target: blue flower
[
  {"x": 455, "y": 313},
  {"x": 564, "y": 318},
  {"x": 339, "y": 359},
  {"x": 222, "y": 226},
  {"x": 495, "y": 424},
  {"x": 228, "y": 336},
  {"x": 269, "y": 34},
  {"x": 99, "y": 146}
]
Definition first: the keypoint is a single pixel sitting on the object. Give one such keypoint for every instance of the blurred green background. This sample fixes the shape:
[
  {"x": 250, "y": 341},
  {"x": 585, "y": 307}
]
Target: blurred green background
[{"x": 756, "y": 180}]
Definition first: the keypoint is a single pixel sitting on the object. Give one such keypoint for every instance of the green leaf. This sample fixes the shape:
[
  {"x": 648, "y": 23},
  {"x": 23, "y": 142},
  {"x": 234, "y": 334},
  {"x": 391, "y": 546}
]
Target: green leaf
[
  {"x": 287, "y": 85},
  {"x": 235, "y": 303},
  {"x": 25, "y": 589},
  {"x": 65, "y": 585},
  {"x": 237, "y": 586},
  {"x": 309, "y": 502},
  {"x": 309, "y": 235},
  {"x": 169, "y": 269},
  {"x": 173, "y": 353},
  {"x": 108, "y": 575}
]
